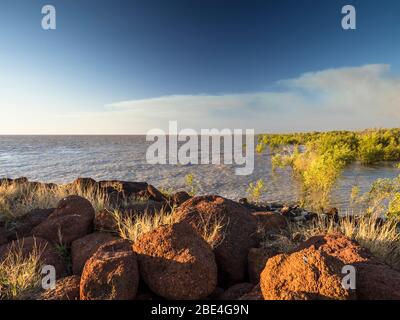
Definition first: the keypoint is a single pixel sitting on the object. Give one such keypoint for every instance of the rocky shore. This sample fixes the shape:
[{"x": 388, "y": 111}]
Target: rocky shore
[{"x": 211, "y": 248}]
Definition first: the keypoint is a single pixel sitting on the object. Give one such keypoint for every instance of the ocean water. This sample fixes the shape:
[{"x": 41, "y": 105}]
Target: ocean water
[{"x": 61, "y": 159}]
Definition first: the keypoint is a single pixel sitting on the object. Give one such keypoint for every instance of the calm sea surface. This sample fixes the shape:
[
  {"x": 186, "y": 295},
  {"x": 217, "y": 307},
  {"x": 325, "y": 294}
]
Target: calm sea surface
[{"x": 61, "y": 159}]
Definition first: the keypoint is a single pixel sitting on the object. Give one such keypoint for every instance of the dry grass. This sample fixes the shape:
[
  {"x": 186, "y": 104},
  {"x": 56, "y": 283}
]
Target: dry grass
[
  {"x": 131, "y": 227},
  {"x": 19, "y": 275},
  {"x": 382, "y": 240},
  {"x": 18, "y": 199},
  {"x": 212, "y": 230}
]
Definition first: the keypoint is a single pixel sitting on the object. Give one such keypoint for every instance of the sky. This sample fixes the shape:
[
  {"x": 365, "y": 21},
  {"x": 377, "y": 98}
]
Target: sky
[{"x": 125, "y": 67}]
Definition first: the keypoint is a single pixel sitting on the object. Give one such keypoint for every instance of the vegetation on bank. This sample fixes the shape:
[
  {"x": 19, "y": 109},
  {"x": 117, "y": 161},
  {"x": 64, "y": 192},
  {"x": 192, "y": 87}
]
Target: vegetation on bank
[
  {"x": 382, "y": 239},
  {"x": 317, "y": 159},
  {"x": 17, "y": 199},
  {"x": 20, "y": 275}
]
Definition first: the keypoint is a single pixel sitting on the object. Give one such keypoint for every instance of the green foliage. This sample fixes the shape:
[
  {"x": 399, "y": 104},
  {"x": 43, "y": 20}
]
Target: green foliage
[
  {"x": 191, "y": 184},
  {"x": 369, "y": 146},
  {"x": 318, "y": 158},
  {"x": 255, "y": 190},
  {"x": 355, "y": 194},
  {"x": 394, "y": 207},
  {"x": 384, "y": 198}
]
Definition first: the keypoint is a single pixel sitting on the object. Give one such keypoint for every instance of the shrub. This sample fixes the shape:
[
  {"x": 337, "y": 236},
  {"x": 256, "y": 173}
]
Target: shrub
[{"x": 255, "y": 190}]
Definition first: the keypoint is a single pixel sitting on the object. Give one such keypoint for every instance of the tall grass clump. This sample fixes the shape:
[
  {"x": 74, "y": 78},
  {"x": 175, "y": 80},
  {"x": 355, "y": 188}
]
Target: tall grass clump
[
  {"x": 131, "y": 227},
  {"x": 383, "y": 240},
  {"x": 17, "y": 199},
  {"x": 20, "y": 275}
]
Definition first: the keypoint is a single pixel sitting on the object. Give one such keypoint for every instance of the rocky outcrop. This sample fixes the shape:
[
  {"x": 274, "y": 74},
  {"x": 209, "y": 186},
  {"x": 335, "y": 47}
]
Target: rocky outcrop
[
  {"x": 257, "y": 258},
  {"x": 236, "y": 236},
  {"x": 105, "y": 221},
  {"x": 254, "y": 294},
  {"x": 82, "y": 249},
  {"x": 149, "y": 207},
  {"x": 4, "y": 235},
  {"x": 179, "y": 198},
  {"x": 111, "y": 273},
  {"x": 374, "y": 280},
  {"x": 71, "y": 220},
  {"x": 176, "y": 263},
  {"x": 308, "y": 274},
  {"x": 23, "y": 227},
  {"x": 127, "y": 188},
  {"x": 271, "y": 222},
  {"x": 66, "y": 289},
  {"x": 236, "y": 291},
  {"x": 155, "y": 194}
]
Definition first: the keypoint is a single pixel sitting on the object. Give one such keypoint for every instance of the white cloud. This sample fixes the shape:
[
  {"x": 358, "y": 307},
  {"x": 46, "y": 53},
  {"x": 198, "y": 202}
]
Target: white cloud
[{"x": 341, "y": 98}]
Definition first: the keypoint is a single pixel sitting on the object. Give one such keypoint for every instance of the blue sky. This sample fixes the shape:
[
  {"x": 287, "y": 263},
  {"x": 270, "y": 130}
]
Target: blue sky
[{"x": 129, "y": 66}]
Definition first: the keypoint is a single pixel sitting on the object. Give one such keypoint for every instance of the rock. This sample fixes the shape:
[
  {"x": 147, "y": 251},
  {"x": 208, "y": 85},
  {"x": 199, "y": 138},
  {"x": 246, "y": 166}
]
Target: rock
[
  {"x": 71, "y": 220},
  {"x": 144, "y": 296},
  {"x": 150, "y": 207},
  {"x": 82, "y": 249},
  {"x": 23, "y": 227},
  {"x": 179, "y": 198},
  {"x": 105, "y": 221},
  {"x": 85, "y": 184},
  {"x": 234, "y": 239},
  {"x": 111, "y": 273},
  {"x": 216, "y": 293},
  {"x": 21, "y": 180},
  {"x": 112, "y": 196},
  {"x": 155, "y": 194},
  {"x": 127, "y": 188},
  {"x": 374, "y": 280},
  {"x": 237, "y": 291},
  {"x": 4, "y": 234},
  {"x": 271, "y": 222},
  {"x": 254, "y": 294},
  {"x": 66, "y": 289},
  {"x": 303, "y": 275},
  {"x": 176, "y": 263},
  {"x": 333, "y": 213},
  {"x": 257, "y": 258},
  {"x": 31, "y": 245}
]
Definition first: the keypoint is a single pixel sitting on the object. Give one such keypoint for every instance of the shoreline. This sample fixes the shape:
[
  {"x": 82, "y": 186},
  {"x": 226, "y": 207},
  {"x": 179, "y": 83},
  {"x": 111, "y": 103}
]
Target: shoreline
[{"x": 186, "y": 247}]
